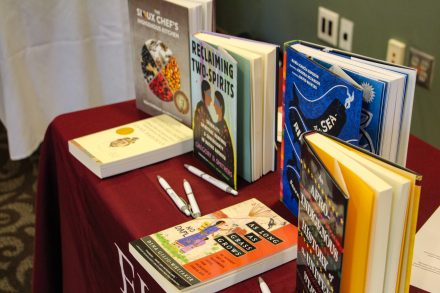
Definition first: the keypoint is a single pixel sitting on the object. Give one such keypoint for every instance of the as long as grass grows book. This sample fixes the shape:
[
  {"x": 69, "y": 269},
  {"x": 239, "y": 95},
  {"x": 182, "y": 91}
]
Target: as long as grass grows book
[{"x": 217, "y": 250}]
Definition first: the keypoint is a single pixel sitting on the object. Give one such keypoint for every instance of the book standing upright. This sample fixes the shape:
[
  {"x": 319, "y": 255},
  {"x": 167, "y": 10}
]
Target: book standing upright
[
  {"x": 160, "y": 31},
  {"x": 387, "y": 93},
  {"x": 214, "y": 96},
  {"x": 361, "y": 209},
  {"x": 256, "y": 95},
  {"x": 314, "y": 99}
]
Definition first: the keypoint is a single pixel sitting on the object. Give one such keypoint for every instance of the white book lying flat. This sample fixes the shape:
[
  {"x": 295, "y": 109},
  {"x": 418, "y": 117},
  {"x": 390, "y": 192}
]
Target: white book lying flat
[{"x": 131, "y": 146}]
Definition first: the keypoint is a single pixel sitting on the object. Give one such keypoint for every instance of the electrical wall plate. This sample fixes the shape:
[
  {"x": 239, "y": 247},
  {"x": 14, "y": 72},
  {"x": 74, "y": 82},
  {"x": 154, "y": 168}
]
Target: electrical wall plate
[
  {"x": 396, "y": 51},
  {"x": 346, "y": 34},
  {"x": 328, "y": 22},
  {"x": 424, "y": 63}
]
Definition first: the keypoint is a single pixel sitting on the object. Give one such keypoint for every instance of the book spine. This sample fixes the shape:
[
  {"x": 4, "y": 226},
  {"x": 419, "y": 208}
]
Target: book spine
[
  {"x": 277, "y": 92},
  {"x": 283, "y": 89},
  {"x": 407, "y": 265}
]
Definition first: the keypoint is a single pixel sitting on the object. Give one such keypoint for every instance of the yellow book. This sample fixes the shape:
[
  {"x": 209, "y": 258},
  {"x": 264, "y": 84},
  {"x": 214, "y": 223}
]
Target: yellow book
[
  {"x": 411, "y": 214},
  {"x": 380, "y": 208},
  {"x": 134, "y": 145}
]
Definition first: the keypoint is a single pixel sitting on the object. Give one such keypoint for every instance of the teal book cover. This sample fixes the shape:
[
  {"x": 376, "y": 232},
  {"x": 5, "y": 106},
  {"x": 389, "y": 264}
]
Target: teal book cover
[
  {"x": 244, "y": 115},
  {"x": 214, "y": 104},
  {"x": 244, "y": 106}
]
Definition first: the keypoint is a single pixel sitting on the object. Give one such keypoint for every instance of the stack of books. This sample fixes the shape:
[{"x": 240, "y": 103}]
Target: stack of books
[{"x": 346, "y": 122}]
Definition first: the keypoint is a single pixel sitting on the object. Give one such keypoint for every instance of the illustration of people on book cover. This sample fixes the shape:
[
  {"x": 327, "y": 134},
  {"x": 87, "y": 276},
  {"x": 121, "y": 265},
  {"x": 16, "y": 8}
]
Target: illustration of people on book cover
[
  {"x": 321, "y": 224},
  {"x": 314, "y": 98},
  {"x": 160, "y": 52},
  {"x": 214, "y": 96},
  {"x": 209, "y": 246}
]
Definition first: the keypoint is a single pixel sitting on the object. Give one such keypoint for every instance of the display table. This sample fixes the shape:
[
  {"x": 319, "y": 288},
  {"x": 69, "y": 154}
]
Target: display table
[{"x": 84, "y": 224}]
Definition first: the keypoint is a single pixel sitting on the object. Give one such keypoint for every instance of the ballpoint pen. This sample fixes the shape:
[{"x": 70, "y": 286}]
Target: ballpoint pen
[
  {"x": 217, "y": 183},
  {"x": 263, "y": 286},
  {"x": 180, "y": 203},
  {"x": 195, "y": 211}
]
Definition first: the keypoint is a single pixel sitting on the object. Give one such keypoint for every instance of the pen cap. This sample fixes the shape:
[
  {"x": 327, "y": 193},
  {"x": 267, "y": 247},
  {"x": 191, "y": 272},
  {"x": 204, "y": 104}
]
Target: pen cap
[
  {"x": 195, "y": 211},
  {"x": 196, "y": 215}
]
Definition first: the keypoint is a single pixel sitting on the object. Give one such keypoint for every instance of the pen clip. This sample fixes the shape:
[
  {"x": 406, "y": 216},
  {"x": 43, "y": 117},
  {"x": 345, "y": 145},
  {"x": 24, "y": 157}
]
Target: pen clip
[{"x": 186, "y": 204}]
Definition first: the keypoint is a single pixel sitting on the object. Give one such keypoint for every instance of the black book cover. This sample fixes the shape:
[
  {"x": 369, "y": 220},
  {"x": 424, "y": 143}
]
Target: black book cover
[{"x": 321, "y": 225}]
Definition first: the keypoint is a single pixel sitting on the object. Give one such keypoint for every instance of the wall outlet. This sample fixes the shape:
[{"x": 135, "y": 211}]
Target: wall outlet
[
  {"x": 396, "y": 52},
  {"x": 328, "y": 22},
  {"x": 424, "y": 63},
  {"x": 346, "y": 34}
]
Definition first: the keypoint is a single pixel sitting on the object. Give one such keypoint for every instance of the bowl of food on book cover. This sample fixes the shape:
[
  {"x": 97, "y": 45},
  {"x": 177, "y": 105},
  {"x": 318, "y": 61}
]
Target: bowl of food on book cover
[{"x": 161, "y": 72}]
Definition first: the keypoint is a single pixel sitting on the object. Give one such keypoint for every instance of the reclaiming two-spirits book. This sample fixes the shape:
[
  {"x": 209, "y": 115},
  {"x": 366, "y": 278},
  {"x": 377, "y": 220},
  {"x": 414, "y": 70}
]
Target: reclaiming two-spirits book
[
  {"x": 214, "y": 98},
  {"x": 255, "y": 92}
]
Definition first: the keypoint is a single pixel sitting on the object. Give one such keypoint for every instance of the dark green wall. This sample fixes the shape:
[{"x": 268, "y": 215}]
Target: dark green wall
[{"x": 416, "y": 23}]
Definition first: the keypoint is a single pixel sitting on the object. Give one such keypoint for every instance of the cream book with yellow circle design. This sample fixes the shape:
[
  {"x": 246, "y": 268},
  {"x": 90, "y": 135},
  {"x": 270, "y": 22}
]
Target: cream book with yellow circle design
[{"x": 134, "y": 145}]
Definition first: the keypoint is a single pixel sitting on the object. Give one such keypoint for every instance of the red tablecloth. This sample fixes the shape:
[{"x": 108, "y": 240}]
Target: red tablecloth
[{"x": 84, "y": 224}]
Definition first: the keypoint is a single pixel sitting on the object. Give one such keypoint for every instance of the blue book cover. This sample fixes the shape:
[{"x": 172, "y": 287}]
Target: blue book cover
[
  {"x": 408, "y": 99},
  {"x": 373, "y": 106},
  {"x": 314, "y": 99},
  {"x": 376, "y": 100}
]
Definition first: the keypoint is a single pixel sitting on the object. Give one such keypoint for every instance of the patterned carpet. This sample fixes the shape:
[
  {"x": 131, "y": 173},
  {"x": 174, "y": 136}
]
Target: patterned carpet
[{"x": 17, "y": 190}]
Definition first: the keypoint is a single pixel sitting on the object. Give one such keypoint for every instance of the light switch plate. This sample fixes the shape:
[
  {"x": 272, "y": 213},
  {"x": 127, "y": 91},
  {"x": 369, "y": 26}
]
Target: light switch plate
[
  {"x": 328, "y": 22},
  {"x": 396, "y": 52},
  {"x": 424, "y": 63},
  {"x": 346, "y": 34}
]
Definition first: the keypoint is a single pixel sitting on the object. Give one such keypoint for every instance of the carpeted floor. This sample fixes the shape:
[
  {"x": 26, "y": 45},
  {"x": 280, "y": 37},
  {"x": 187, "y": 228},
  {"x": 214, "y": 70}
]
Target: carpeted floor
[{"x": 18, "y": 182}]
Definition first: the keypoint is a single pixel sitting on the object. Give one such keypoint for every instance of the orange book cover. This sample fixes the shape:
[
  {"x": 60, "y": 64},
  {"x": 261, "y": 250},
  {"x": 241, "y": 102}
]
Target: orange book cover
[{"x": 239, "y": 241}]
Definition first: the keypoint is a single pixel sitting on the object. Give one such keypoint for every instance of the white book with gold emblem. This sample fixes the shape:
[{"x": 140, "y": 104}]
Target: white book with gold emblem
[{"x": 134, "y": 145}]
